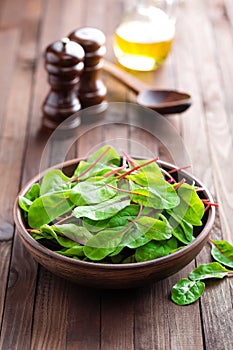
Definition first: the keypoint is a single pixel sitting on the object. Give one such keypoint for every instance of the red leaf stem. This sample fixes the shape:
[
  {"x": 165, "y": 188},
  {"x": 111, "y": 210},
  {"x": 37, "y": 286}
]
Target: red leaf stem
[
  {"x": 138, "y": 167},
  {"x": 114, "y": 171},
  {"x": 91, "y": 166},
  {"x": 129, "y": 159},
  {"x": 207, "y": 202},
  {"x": 178, "y": 169},
  {"x": 179, "y": 184}
]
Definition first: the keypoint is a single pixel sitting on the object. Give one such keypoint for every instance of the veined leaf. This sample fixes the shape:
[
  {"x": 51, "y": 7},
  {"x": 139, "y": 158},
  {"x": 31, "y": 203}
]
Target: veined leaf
[
  {"x": 103, "y": 243},
  {"x": 24, "y": 203},
  {"x": 92, "y": 191},
  {"x": 155, "y": 249},
  {"x": 74, "y": 232},
  {"x": 53, "y": 181},
  {"x": 187, "y": 292},
  {"x": 182, "y": 230},
  {"x": 47, "y": 208},
  {"x": 85, "y": 168},
  {"x": 212, "y": 270},
  {"x": 191, "y": 208},
  {"x": 148, "y": 171},
  {"x": 154, "y": 228},
  {"x": 94, "y": 225},
  {"x": 222, "y": 251},
  {"x": 156, "y": 193},
  {"x": 133, "y": 239},
  {"x": 110, "y": 157},
  {"x": 34, "y": 192},
  {"x": 75, "y": 251},
  {"x": 63, "y": 241},
  {"x": 122, "y": 217},
  {"x": 102, "y": 211}
]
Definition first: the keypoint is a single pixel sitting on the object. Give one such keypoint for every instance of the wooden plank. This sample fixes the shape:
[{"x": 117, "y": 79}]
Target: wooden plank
[
  {"x": 15, "y": 315},
  {"x": 207, "y": 118},
  {"x": 9, "y": 38},
  {"x": 117, "y": 320},
  {"x": 50, "y": 313},
  {"x": 6, "y": 225},
  {"x": 151, "y": 330},
  {"x": 219, "y": 134},
  {"x": 83, "y": 327},
  {"x": 19, "y": 302}
]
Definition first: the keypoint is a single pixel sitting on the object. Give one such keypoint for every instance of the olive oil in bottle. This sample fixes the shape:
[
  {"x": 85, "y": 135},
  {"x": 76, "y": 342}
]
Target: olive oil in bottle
[{"x": 144, "y": 38}]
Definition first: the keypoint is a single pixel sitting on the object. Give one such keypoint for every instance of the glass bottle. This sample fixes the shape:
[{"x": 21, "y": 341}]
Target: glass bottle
[{"x": 145, "y": 35}]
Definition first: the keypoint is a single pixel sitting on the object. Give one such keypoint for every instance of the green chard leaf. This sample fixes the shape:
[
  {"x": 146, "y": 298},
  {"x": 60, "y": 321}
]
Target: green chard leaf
[
  {"x": 191, "y": 208},
  {"x": 34, "y": 192},
  {"x": 76, "y": 233},
  {"x": 75, "y": 251},
  {"x": 222, "y": 251},
  {"x": 150, "y": 170},
  {"x": 47, "y": 208},
  {"x": 211, "y": 270},
  {"x": 154, "y": 228},
  {"x": 62, "y": 241},
  {"x": 110, "y": 157},
  {"x": 103, "y": 243},
  {"x": 133, "y": 239},
  {"x": 85, "y": 170},
  {"x": 156, "y": 193},
  {"x": 182, "y": 230},
  {"x": 102, "y": 211},
  {"x": 53, "y": 181},
  {"x": 186, "y": 292},
  {"x": 24, "y": 203},
  {"x": 155, "y": 249},
  {"x": 123, "y": 217},
  {"x": 92, "y": 191},
  {"x": 94, "y": 226}
]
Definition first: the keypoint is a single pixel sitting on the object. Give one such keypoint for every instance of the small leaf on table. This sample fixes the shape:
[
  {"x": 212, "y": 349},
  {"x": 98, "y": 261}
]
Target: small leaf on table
[
  {"x": 211, "y": 270},
  {"x": 222, "y": 251},
  {"x": 186, "y": 292}
]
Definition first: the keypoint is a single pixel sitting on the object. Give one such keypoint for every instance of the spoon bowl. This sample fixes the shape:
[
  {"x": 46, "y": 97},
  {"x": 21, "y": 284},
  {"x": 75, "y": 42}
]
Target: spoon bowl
[{"x": 162, "y": 101}]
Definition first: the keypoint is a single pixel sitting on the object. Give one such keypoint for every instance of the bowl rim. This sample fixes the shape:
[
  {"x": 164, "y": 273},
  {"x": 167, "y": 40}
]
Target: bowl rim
[{"x": 25, "y": 236}]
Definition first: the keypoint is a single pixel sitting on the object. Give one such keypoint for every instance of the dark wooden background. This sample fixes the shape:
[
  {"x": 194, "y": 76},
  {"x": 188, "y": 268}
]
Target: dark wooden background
[{"x": 41, "y": 311}]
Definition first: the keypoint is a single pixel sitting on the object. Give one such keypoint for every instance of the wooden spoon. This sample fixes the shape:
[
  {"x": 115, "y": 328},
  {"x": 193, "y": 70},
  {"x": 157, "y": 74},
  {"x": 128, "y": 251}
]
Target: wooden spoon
[{"x": 162, "y": 101}]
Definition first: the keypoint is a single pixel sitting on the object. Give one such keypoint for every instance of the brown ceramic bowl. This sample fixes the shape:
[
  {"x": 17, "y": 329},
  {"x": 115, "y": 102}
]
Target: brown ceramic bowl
[{"x": 114, "y": 276}]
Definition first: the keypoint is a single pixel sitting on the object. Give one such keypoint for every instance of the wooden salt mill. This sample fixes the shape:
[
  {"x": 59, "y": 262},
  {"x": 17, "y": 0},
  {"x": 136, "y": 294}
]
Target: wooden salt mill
[
  {"x": 64, "y": 64},
  {"x": 91, "y": 89}
]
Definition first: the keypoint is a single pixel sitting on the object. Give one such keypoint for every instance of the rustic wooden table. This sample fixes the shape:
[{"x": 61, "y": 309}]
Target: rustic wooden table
[{"x": 41, "y": 311}]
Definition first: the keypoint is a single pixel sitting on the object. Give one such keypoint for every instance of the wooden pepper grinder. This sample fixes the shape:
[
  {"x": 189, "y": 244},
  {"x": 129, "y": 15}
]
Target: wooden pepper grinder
[
  {"x": 64, "y": 64},
  {"x": 91, "y": 89}
]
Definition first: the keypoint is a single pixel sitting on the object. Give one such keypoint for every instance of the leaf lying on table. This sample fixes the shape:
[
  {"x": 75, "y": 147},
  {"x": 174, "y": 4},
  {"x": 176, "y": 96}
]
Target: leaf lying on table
[
  {"x": 112, "y": 209},
  {"x": 212, "y": 270},
  {"x": 187, "y": 291},
  {"x": 222, "y": 251}
]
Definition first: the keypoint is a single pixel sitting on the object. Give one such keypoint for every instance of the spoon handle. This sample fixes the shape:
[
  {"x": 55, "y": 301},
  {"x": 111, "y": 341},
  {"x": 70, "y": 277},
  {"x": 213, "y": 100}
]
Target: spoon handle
[{"x": 127, "y": 79}]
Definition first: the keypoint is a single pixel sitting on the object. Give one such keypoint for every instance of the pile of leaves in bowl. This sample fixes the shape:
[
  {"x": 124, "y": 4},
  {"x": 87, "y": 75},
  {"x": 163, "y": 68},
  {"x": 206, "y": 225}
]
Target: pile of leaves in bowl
[{"x": 113, "y": 209}]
